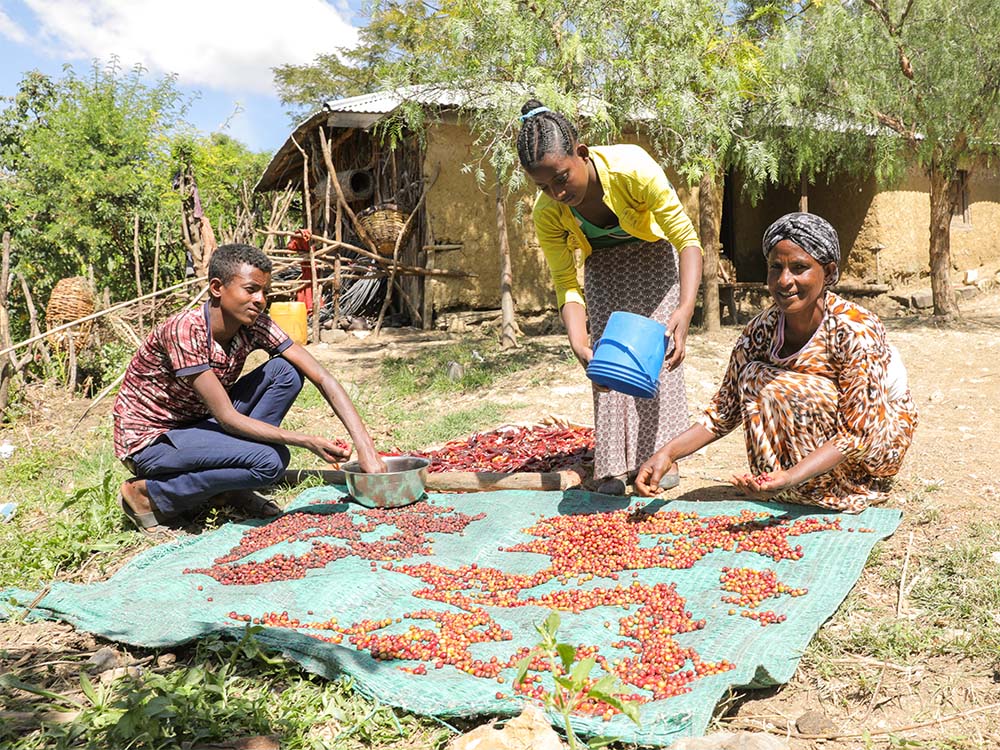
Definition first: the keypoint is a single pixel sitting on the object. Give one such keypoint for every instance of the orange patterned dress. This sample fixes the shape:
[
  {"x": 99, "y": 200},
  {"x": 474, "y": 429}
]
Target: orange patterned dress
[{"x": 843, "y": 385}]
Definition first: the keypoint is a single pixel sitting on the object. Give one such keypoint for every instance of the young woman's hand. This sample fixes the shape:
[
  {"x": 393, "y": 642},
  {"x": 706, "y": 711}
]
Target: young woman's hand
[
  {"x": 647, "y": 479},
  {"x": 763, "y": 485},
  {"x": 583, "y": 354},
  {"x": 677, "y": 328}
]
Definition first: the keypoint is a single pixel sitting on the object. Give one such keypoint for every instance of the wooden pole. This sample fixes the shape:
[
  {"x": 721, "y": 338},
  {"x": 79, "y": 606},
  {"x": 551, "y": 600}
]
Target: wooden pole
[
  {"x": 71, "y": 364},
  {"x": 6, "y": 366},
  {"x": 803, "y": 193},
  {"x": 332, "y": 170},
  {"x": 709, "y": 219},
  {"x": 337, "y": 282},
  {"x": 33, "y": 321},
  {"x": 428, "y": 314},
  {"x": 508, "y": 326},
  {"x": 156, "y": 259},
  {"x": 395, "y": 250},
  {"x": 138, "y": 271}
]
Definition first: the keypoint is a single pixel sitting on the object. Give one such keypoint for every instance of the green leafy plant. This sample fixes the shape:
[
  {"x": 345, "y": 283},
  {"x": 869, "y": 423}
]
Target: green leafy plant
[{"x": 573, "y": 684}]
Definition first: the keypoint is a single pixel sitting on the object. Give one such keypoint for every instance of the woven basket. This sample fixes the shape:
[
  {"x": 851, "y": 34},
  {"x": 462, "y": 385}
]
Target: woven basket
[
  {"x": 384, "y": 223},
  {"x": 71, "y": 299}
]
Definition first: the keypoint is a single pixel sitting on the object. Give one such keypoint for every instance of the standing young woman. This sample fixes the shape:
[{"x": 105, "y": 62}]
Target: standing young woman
[
  {"x": 820, "y": 393},
  {"x": 616, "y": 206}
]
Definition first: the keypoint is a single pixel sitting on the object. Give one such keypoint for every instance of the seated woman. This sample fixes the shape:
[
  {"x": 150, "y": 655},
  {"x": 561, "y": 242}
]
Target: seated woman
[{"x": 821, "y": 394}]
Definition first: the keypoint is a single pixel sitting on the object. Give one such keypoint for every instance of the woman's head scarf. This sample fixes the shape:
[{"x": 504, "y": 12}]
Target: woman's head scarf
[{"x": 812, "y": 233}]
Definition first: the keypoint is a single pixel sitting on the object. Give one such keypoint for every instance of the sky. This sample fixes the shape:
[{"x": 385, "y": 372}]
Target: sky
[{"x": 221, "y": 50}]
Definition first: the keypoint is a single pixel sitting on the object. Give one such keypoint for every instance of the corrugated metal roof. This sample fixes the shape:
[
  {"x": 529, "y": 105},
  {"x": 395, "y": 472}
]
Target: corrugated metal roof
[{"x": 384, "y": 102}]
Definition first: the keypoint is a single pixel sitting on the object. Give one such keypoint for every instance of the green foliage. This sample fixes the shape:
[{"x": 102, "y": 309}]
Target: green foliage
[
  {"x": 91, "y": 159},
  {"x": 67, "y": 514},
  {"x": 927, "y": 75},
  {"x": 572, "y": 683},
  {"x": 225, "y": 170},
  {"x": 227, "y": 690}
]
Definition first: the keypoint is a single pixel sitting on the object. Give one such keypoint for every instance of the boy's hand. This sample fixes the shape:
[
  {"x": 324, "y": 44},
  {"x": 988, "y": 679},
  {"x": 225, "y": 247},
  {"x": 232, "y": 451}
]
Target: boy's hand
[
  {"x": 331, "y": 451},
  {"x": 373, "y": 464}
]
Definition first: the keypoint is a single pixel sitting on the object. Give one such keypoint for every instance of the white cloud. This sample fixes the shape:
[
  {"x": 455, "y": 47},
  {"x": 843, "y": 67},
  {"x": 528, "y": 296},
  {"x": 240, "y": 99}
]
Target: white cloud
[
  {"x": 10, "y": 29},
  {"x": 224, "y": 44}
]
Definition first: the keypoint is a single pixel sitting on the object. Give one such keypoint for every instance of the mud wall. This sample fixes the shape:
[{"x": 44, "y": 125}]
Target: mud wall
[
  {"x": 460, "y": 211},
  {"x": 892, "y": 222}
]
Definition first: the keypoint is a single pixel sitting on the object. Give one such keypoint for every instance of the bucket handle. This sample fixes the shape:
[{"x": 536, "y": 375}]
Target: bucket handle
[{"x": 627, "y": 348}]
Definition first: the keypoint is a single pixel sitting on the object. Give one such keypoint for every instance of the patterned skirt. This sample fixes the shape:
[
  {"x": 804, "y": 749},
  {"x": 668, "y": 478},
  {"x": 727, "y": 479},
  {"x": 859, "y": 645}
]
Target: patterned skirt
[
  {"x": 642, "y": 278},
  {"x": 787, "y": 415}
]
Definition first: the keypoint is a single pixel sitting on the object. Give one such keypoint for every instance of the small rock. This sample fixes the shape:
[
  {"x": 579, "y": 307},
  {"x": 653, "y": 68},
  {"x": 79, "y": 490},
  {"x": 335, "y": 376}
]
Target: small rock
[
  {"x": 166, "y": 660},
  {"x": 529, "y": 730},
  {"x": 113, "y": 674},
  {"x": 105, "y": 659},
  {"x": 815, "y": 722},
  {"x": 922, "y": 300},
  {"x": 904, "y": 301},
  {"x": 970, "y": 276},
  {"x": 455, "y": 371},
  {"x": 995, "y": 557},
  {"x": 966, "y": 292}
]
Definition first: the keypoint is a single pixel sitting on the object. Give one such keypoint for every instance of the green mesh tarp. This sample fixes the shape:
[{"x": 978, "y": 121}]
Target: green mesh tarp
[{"x": 334, "y": 571}]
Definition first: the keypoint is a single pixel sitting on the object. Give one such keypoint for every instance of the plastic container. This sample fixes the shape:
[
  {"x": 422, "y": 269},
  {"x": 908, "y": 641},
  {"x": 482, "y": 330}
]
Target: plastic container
[
  {"x": 291, "y": 318},
  {"x": 629, "y": 355}
]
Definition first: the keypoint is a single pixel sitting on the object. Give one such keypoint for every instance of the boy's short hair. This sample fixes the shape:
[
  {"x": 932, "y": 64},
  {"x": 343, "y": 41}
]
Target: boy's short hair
[{"x": 227, "y": 259}]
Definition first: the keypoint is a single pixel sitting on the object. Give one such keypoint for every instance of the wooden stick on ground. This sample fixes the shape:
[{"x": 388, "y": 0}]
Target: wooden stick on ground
[
  {"x": 100, "y": 397},
  {"x": 465, "y": 481},
  {"x": 902, "y": 577}
]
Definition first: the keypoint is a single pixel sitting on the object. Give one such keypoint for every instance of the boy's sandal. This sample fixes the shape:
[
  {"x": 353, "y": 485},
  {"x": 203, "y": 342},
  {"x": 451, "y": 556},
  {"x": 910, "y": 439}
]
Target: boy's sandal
[{"x": 147, "y": 523}]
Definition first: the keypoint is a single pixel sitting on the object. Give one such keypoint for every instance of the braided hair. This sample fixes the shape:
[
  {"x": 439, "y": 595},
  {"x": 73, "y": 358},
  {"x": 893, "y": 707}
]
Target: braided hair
[{"x": 542, "y": 133}]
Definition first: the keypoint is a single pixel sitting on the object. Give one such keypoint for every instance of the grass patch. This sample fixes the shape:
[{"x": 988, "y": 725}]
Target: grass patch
[
  {"x": 427, "y": 427},
  {"x": 67, "y": 513},
  {"x": 225, "y": 690},
  {"x": 479, "y": 365}
]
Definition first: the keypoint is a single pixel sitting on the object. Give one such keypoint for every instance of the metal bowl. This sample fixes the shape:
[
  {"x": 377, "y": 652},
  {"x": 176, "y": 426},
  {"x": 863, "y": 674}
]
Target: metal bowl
[{"x": 402, "y": 484}]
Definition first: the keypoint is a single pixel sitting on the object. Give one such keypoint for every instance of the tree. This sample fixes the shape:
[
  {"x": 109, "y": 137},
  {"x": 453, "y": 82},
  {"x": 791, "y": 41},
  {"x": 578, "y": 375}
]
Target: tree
[
  {"x": 680, "y": 70},
  {"x": 396, "y": 30},
  {"x": 94, "y": 158},
  {"x": 928, "y": 73}
]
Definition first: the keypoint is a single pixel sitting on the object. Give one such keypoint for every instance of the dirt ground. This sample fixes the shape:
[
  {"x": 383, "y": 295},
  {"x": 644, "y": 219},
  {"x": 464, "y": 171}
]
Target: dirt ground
[{"x": 951, "y": 476}]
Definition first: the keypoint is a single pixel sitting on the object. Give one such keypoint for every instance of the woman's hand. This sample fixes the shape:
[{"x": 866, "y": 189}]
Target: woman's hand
[
  {"x": 764, "y": 485},
  {"x": 647, "y": 479},
  {"x": 677, "y": 328},
  {"x": 583, "y": 354}
]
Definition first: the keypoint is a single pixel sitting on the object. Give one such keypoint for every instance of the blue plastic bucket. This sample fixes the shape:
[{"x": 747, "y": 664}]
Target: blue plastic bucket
[{"x": 629, "y": 355}]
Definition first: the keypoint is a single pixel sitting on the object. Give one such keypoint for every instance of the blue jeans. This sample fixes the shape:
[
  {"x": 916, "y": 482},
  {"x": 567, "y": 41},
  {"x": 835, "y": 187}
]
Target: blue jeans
[{"x": 188, "y": 465}]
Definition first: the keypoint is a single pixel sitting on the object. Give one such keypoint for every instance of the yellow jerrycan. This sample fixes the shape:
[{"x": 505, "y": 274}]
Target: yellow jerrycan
[{"x": 291, "y": 318}]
